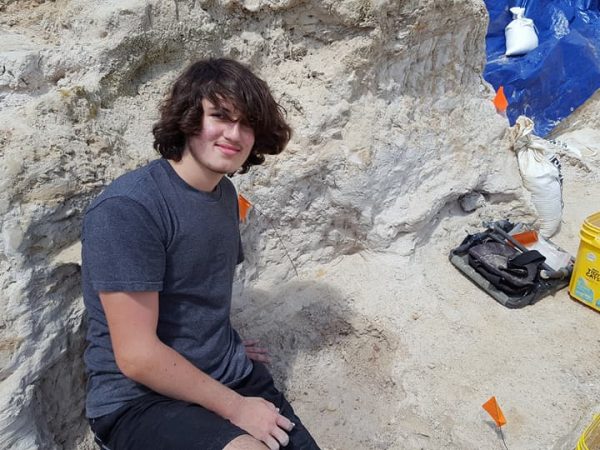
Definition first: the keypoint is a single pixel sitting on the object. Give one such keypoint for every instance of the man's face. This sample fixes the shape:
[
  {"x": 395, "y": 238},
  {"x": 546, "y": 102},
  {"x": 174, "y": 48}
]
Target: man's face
[{"x": 225, "y": 141}]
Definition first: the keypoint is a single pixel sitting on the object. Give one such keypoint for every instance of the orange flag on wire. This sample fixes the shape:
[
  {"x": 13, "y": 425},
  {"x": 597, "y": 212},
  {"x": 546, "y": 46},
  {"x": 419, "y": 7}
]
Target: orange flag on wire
[
  {"x": 500, "y": 101},
  {"x": 244, "y": 207},
  {"x": 491, "y": 406}
]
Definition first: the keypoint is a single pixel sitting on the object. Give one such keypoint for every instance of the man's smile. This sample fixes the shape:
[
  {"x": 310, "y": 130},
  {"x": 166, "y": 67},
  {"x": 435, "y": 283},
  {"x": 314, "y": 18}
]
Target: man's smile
[{"x": 228, "y": 149}]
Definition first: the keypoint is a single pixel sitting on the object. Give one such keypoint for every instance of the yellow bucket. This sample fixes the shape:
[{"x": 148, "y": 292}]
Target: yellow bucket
[
  {"x": 590, "y": 439},
  {"x": 585, "y": 282}
]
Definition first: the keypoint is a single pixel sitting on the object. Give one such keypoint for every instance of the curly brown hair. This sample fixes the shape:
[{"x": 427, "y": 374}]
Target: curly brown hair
[{"x": 218, "y": 80}]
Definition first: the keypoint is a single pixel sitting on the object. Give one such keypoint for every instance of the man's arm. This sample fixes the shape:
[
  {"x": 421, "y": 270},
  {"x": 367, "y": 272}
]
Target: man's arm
[{"x": 132, "y": 320}]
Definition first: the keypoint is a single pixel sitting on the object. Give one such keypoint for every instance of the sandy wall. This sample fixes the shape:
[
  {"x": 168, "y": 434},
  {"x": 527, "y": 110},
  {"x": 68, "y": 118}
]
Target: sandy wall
[{"x": 393, "y": 128}]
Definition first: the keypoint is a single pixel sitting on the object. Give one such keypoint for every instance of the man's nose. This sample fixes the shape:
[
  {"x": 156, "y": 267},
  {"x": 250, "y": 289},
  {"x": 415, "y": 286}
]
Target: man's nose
[{"x": 233, "y": 130}]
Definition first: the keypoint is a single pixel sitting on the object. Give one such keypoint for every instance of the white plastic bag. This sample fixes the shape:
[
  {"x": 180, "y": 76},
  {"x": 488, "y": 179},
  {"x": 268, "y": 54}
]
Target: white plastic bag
[
  {"x": 540, "y": 171},
  {"x": 520, "y": 34}
]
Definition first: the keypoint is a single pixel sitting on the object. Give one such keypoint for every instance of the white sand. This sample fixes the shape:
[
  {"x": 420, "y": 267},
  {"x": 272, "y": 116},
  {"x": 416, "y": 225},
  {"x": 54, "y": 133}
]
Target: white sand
[{"x": 379, "y": 351}]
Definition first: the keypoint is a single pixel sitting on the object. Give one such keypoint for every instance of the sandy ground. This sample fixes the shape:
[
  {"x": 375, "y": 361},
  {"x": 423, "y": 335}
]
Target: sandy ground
[{"x": 379, "y": 351}]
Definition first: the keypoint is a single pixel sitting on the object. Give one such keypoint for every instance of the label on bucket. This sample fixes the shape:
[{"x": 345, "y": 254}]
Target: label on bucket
[
  {"x": 593, "y": 274},
  {"x": 591, "y": 257},
  {"x": 583, "y": 292}
]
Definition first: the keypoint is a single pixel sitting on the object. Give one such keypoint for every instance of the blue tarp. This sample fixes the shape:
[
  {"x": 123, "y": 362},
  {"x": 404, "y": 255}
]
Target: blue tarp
[{"x": 551, "y": 81}]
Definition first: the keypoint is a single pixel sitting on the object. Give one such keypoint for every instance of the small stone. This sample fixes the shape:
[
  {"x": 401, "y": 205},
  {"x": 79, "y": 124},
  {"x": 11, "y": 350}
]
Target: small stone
[{"x": 471, "y": 201}]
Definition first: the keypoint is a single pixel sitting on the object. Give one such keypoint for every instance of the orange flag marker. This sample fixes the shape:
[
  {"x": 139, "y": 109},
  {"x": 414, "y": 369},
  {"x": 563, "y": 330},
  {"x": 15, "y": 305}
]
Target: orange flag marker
[
  {"x": 244, "y": 206},
  {"x": 491, "y": 406},
  {"x": 500, "y": 101}
]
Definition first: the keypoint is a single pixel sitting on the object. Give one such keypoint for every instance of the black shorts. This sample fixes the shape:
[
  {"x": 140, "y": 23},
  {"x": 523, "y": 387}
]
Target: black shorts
[{"x": 155, "y": 422}]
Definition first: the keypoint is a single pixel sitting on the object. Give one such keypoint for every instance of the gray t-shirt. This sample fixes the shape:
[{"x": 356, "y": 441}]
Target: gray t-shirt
[{"x": 151, "y": 231}]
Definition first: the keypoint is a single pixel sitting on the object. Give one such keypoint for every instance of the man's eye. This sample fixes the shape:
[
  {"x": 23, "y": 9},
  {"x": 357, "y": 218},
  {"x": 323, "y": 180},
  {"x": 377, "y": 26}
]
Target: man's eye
[{"x": 222, "y": 116}]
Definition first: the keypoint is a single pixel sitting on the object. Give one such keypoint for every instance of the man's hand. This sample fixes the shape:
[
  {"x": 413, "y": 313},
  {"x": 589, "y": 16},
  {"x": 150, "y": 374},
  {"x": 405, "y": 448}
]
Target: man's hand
[
  {"x": 255, "y": 352},
  {"x": 262, "y": 420}
]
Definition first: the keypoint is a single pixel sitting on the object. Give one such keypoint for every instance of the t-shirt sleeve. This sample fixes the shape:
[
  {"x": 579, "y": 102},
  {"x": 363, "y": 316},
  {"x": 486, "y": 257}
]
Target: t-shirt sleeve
[
  {"x": 240, "y": 252},
  {"x": 123, "y": 249},
  {"x": 241, "y": 257}
]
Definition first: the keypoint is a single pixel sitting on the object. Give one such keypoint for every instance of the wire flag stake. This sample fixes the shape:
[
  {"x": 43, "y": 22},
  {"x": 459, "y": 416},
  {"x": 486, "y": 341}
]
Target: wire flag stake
[
  {"x": 244, "y": 207},
  {"x": 493, "y": 409}
]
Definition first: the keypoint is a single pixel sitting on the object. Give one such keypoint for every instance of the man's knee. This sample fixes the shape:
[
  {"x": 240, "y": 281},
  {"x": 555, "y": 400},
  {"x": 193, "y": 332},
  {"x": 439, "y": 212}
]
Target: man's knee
[{"x": 245, "y": 442}]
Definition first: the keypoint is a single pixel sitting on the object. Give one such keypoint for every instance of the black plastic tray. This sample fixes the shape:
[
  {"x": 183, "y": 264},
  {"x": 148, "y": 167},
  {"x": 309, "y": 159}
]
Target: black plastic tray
[{"x": 545, "y": 287}]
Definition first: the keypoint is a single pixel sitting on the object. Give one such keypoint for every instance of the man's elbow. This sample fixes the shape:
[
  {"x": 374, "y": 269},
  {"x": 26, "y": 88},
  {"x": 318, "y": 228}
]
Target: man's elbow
[
  {"x": 135, "y": 362},
  {"x": 130, "y": 367}
]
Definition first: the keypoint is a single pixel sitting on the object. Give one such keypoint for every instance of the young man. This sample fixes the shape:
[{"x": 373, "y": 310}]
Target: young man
[{"x": 160, "y": 246}]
